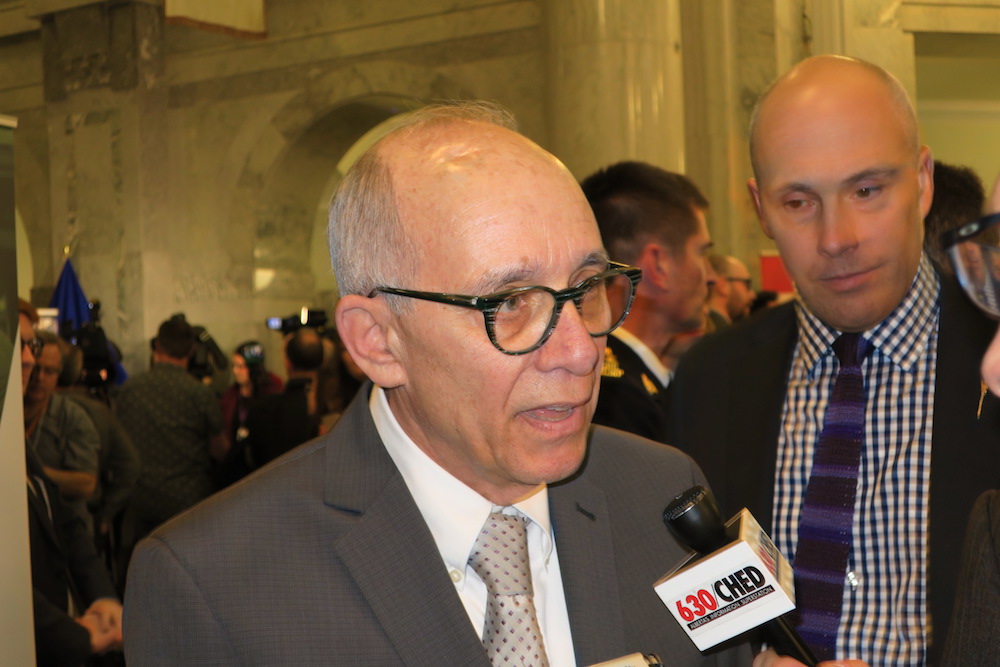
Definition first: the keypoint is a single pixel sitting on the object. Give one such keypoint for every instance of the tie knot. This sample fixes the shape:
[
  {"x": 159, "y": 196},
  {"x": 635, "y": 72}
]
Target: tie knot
[
  {"x": 500, "y": 555},
  {"x": 851, "y": 349}
]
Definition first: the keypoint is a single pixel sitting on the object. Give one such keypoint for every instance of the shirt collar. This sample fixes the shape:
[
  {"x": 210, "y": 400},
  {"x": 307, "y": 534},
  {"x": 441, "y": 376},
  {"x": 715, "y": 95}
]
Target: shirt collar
[
  {"x": 902, "y": 337},
  {"x": 454, "y": 512},
  {"x": 644, "y": 352}
]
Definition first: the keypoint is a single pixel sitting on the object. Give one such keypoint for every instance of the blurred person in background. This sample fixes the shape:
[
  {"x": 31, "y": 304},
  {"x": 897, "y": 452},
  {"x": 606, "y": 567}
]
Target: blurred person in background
[
  {"x": 176, "y": 424},
  {"x": 730, "y": 296},
  {"x": 338, "y": 381},
  {"x": 118, "y": 461},
  {"x": 251, "y": 382},
  {"x": 975, "y": 635},
  {"x": 58, "y": 431},
  {"x": 75, "y": 611},
  {"x": 958, "y": 198},
  {"x": 283, "y": 421}
]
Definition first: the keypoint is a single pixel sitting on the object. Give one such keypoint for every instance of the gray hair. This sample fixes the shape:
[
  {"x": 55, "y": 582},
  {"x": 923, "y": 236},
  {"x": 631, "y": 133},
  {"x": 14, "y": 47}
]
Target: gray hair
[{"x": 369, "y": 246}]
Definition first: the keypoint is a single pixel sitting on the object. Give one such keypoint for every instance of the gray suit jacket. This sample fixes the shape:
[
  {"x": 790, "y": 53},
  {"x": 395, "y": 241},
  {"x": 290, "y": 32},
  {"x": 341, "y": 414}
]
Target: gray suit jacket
[{"x": 323, "y": 558}]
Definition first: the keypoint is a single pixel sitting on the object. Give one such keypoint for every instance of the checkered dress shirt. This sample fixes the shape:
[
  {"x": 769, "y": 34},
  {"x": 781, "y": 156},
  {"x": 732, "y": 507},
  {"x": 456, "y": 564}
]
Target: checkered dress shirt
[{"x": 885, "y": 615}]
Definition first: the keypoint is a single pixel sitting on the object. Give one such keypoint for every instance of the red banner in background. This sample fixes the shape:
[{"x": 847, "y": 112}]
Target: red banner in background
[{"x": 773, "y": 275}]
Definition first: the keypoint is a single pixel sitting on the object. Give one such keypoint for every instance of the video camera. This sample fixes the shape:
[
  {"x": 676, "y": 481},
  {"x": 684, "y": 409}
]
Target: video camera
[
  {"x": 99, "y": 362},
  {"x": 308, "y": 317}
]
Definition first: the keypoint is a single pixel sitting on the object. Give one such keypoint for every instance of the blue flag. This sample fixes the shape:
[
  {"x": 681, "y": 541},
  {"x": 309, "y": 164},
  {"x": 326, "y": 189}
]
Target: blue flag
[{"x": 74, "y": 309}]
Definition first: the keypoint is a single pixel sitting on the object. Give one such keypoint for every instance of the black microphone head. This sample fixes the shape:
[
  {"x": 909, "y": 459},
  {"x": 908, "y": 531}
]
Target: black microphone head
[{"x": 694, "y": 518}]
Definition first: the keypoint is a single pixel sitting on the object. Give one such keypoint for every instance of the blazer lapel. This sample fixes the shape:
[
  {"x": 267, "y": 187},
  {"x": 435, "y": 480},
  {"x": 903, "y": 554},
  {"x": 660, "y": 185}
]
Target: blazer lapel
[
  {"x": 965, "y": 445},
  {"x": 392, "y": 555},
  {"x": 755, "y": 415},
  {"x": 586, "y": 557}
]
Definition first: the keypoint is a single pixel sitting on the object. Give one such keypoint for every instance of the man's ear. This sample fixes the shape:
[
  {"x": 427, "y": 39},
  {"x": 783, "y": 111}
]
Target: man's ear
[
  {"x": 366, "y": 327},
  {"x": 925, "y": 177},
  {"x": 755, "y": 195},
  {"x": 654, "y": 261}
]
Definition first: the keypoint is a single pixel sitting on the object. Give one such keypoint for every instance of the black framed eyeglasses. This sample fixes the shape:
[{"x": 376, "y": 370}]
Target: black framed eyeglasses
[
  {"x": 34, "y": 346},
  {"x": 521, "y": 319},
  {"x": 975, "y": 255}
]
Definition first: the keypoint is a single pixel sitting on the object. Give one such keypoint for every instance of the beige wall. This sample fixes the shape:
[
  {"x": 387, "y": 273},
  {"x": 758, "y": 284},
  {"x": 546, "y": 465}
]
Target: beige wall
[{"x": 200, "y": 183}]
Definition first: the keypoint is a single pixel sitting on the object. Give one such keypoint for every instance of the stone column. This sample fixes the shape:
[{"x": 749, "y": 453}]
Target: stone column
[
  {"x": 733, "y": 51},
  {"x": 870, "y": 30},
  {"x": 615, "y": 83},
  {"x": 106, "y": 107}
]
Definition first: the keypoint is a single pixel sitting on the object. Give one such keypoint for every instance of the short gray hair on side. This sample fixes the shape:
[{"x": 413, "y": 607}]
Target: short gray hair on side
[{"x": 369, "y": 246}]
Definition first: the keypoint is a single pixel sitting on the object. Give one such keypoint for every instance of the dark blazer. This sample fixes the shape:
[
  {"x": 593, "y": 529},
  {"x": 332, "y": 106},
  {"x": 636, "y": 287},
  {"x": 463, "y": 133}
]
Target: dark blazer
[
  {"x": 322, "y": 558},
  {"x": 975, "y": 626},
  {"x": 281, "y": 422},
  {"x": 631, "y": 398},
  {"x": 63, "y": 562},
  {"x": 725, "y": 410}
]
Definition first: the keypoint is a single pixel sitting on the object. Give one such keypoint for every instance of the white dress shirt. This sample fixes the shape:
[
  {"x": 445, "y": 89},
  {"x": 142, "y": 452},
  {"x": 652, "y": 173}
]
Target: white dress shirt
[{"x": 455, "y": 515}]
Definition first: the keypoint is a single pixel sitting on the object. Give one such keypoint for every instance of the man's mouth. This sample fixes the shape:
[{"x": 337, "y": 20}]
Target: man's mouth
[{"x": 552, "y": 413}]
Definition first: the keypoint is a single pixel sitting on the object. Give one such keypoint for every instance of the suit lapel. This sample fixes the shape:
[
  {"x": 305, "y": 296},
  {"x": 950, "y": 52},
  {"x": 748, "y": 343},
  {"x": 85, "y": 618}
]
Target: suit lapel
[
  {"x": 391, "y": 554},
  {"x": 756, "y": 416},
  {"x": 965, "y": 445},
  {"x": 587, "y": 560}
]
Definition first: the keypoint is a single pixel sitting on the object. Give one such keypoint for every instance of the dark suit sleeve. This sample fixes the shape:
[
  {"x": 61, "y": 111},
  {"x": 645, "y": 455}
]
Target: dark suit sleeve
[
  {"x": 167, "y": 621},
  {"x": 974, "y": 635},
  {"x": 59, "y": 640},
  {"x": 90, "y": 576}
]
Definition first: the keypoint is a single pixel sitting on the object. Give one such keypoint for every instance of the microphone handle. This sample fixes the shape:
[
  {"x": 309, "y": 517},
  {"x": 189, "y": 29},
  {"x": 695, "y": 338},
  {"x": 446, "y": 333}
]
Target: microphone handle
[{"x": 786, "y": 641}]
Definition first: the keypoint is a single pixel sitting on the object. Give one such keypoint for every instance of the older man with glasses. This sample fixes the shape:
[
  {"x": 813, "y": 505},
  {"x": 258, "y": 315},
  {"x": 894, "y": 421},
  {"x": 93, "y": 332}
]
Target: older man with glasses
[{"x": 374, "y": 544}]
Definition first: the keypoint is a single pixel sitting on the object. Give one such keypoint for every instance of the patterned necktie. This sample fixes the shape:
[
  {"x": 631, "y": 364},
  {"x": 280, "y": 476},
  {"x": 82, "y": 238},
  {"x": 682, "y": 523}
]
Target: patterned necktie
[
  {"x": 825, "y": 525},
  {"x": 500, "y": 558}
]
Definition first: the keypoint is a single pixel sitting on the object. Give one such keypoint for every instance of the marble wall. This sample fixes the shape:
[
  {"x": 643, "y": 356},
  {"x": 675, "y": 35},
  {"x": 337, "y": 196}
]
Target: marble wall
[{"x": 189, "y": 170}]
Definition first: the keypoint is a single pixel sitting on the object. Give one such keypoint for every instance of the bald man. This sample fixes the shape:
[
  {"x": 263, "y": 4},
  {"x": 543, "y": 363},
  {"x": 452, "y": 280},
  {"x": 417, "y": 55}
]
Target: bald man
[
  {"x": 476, "y": 295},
  {"x": 842, "y": 184}
]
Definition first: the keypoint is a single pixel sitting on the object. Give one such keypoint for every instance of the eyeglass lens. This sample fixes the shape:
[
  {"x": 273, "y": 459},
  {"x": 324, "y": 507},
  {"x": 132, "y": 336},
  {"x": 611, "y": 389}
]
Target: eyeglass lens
[
  {"x": 526, "y": 318},
  {"x": 34, "y": 345},
  {"x": 977, "y": 265}
]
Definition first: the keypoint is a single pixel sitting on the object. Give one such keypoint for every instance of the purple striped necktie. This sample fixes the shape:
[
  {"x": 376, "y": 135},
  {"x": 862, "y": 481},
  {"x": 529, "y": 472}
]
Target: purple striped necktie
[{"x": 827, "y": 518}]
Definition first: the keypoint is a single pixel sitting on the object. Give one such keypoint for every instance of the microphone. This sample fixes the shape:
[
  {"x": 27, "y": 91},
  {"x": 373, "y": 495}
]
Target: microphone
[{"x": 748, "y": 574}]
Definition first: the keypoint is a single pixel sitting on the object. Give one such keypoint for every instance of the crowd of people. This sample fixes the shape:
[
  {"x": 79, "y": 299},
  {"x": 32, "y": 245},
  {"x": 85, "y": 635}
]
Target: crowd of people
[
  {"x": 853, "y": 419},
  {"x": 106, "y": 465}
]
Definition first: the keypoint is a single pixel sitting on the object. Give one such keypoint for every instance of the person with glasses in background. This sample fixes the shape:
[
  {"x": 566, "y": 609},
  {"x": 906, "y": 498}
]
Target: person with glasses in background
[
  {"x": 974, "y": 251},
  {"x": 732, "y": 293},
  {"x": 58, "y": 431},
  {"x": 75, "y": 610},
  {"x": 477, "y": 296}
]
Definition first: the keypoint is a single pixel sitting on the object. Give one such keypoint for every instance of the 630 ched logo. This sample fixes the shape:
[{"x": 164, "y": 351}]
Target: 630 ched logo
[{"x": 736, "y": 591}]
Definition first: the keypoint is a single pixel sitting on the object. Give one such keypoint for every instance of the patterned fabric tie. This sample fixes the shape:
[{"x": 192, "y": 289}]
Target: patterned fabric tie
[
  {"x": 500, "y": 557},
  {"x": 825, "y": 525}
]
